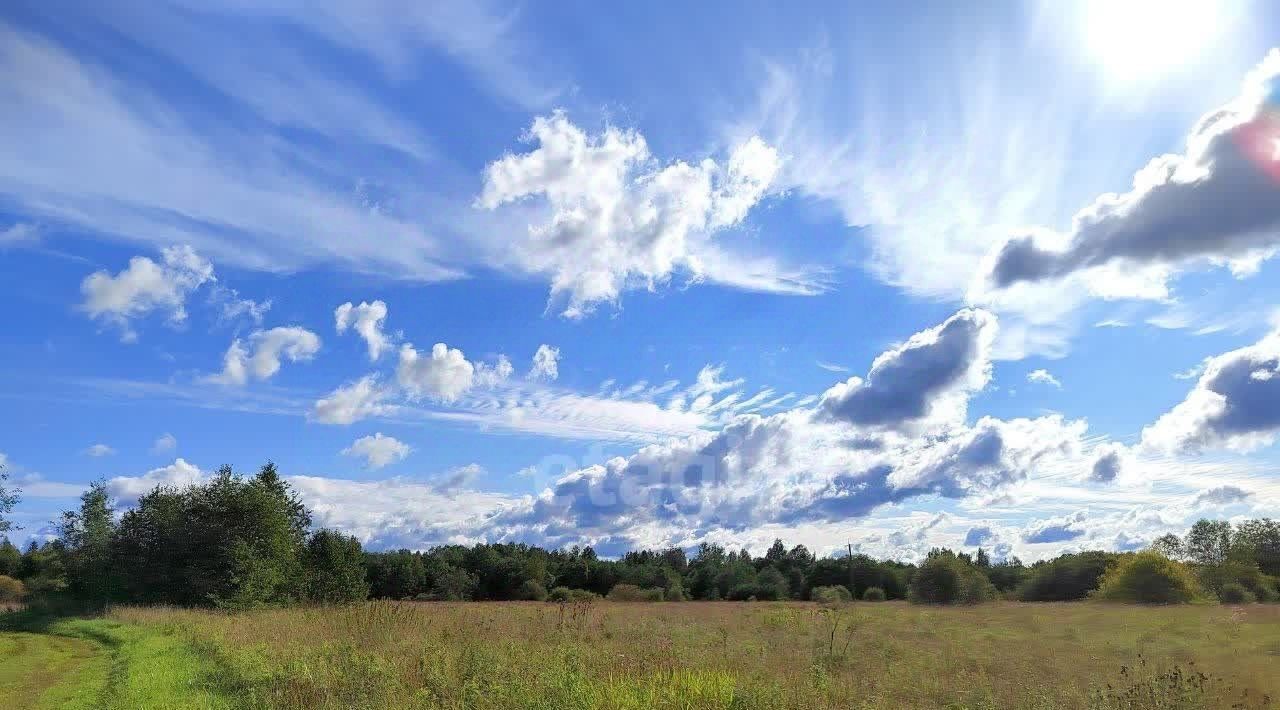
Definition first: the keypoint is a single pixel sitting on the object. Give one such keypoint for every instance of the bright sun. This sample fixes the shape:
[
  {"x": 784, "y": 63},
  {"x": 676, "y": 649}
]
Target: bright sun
[{"x": 1137, "y": 39}]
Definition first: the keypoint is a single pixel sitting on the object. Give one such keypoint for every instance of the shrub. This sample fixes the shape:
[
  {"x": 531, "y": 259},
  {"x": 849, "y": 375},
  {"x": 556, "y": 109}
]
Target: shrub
[
  {"x": 1234, "y": 593},
  {"x": 830, "y": 595},
  {"x": 565, "y": 594},
  {"x": 11, "y": 590},
  {"x": 632, "y": 593},
  {"x": 1216, "y": 578},
  {"x": 944, "y": 578},
  {"x": 873, "y": 594},
  {"x": 1149, "y": 578},
  {"x": 1066, "y": 578},
  {"x": 744, "y": 592},
  {"x": 533, "y": 591},
  {"x": 771, "y": 585},
  {"x": 675, "y": 593}
]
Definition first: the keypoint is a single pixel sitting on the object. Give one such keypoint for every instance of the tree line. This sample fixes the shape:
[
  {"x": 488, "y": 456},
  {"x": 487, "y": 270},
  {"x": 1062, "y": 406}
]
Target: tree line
[{"x": 243, "y": 542}]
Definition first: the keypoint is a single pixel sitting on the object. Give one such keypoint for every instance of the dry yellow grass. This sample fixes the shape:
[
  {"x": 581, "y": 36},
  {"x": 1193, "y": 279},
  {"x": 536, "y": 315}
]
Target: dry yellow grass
[{"x": 734, "y": 655}]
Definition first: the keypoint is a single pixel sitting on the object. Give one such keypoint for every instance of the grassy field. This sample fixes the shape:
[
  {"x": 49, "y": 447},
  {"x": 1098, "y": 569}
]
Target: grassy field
[{"x": 690, "y": 655}]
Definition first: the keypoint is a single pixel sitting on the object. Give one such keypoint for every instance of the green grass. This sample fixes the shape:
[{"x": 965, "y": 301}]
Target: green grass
[
  {"x": 731, "y": 656},
  {"x": 107, "y": 664}
]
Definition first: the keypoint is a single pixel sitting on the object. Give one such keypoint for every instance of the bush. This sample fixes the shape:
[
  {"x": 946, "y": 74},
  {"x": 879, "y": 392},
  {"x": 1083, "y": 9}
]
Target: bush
[
  {"x": 565, "y": 594},
  {"x": 11, "y": 590},
  {"x": 833, "y": 594},
  {"x": 1149, "y": 578},
  {"x": 873, "y": 594},
  {"x": 533, "y": 591},
  {"x": 1066, "y": 578},
  {"x": 632, "y": 593},
  {"x": 946, "y": 579},
  {"x": 744, "y": 592},
  {"x": 1234, "y": 593},
  {"x": 1216, "y": 578}
]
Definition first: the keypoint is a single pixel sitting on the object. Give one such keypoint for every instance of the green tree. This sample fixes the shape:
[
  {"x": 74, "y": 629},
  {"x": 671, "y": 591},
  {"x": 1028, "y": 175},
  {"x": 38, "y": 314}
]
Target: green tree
[
  {"x": 10, "y": 558},
  {"x": 1208, "y": 542},
  {"x": 86, "y": 535},
  {"x": 8, "y": 499},
  {"x": 771, "y": 585},
  {"x": 1169, "y": 545},
  {"x": 335, "y": 568},
  {"x": 1263, "y": 537}
]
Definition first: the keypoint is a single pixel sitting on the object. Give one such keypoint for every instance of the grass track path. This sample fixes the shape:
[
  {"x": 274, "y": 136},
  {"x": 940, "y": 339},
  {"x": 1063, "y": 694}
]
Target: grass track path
[
  {"x": 44, "y": 671},
  {"x": 102, "y": 664}
]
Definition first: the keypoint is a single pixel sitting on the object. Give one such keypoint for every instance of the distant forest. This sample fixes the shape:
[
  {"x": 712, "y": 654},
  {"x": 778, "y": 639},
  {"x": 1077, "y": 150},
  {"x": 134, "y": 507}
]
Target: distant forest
[{"x": 243, "y": 542}]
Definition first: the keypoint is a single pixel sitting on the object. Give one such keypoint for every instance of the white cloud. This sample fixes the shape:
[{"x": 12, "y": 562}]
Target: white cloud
[
  {"x": 231, "y": 307},
  {"x": 930, "y": 377},
  {"x": 395, "y": 513},
  {"x": 19, "y": 234},
  {"x": 164, "y": 444},
  {"x": 1215, "y": 202},
  {"x": 1235, "y": 404},
  {"x": 617, "y": 219},
  {"x": 456, "y": 478},
  {"x": 1110, "y": 462},
  {"x": 352, "y": 402},
  {"x": 545, "y": 363},
  {"x": 262, "y": 359},
  {"x": 830, "y": 367},
  {"x": 367, "y": 320},
  {"x": 96, "y": 147},
  {"x": 804, "y": 466},
  {"x": 145, "y": 286},
  {"x": 490, "y": 376},
  {"x": 99, "y": 450},
  {"x": 127, "y": 489},
  {"x": 445, "y": 374},
  {"x": 1043, "y": 377},
  {"x": 1221, "y": 496},
  {"x": 1056, "y": 530},
  {"x": 378, "y": 450}
]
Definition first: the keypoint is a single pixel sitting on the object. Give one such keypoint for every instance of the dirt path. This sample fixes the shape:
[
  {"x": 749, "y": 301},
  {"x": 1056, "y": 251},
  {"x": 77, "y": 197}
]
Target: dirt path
[{"x": 45, "y": 671}]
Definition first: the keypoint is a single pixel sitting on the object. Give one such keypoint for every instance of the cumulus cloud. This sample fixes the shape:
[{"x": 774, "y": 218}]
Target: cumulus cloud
[
  {"x": 799, "y": 466},
  {"x": 367, "y": 320},
  {"x": 1235, "y": 404},
  {"x": 980, "y": 535},
  {"x": 545, "y": 363},
  {"x": 261, "y": 359},
  {"x": 1069, "y": 527},
  {"x": 456, "y": 478},
  {"x": 1218, "y": 201},
  {"x": 444, "y": 374},
  {"x": 378, "y": 450},
  {"x": 1110, "y": 461},
  {"x": 352, "y": 402},
  {"x": 145, "y": 286},
  {"x": 1043, "y": 377},
  {"x": 128, "y": 489},
  {"x": 930, "y": 376},
  {"x": 99, "y": 450},
  {"x": 618, "y": 219},
  {"x": 1221, "y": 496},
  {"x": 487, "y": 375},
  {"x": 396, "y": 513},
  {"x": 165, "y": 444}
]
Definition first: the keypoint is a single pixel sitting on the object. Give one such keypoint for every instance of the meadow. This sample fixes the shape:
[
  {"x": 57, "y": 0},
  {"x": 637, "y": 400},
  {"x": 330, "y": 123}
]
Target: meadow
[{"x": 648, "y": 655}]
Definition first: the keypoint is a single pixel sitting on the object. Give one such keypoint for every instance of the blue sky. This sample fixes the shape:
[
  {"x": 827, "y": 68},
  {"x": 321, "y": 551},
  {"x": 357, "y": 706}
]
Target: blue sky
[{"x": 611, "y": 275}]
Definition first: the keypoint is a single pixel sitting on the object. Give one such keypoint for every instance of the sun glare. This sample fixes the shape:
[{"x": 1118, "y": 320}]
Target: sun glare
[{"x": 1137, "y": 39}]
